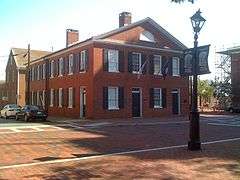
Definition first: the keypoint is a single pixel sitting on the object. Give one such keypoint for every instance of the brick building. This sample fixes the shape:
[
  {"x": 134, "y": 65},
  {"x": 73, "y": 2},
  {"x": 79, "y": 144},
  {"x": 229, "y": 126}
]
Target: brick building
[
  {"x": 234, "y": 54},
  {"x": 15, "y": 83},
  {"x": 119, "y": 74}
]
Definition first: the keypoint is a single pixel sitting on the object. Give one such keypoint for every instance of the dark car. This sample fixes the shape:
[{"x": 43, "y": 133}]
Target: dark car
[{"x": 30, "y": 112}]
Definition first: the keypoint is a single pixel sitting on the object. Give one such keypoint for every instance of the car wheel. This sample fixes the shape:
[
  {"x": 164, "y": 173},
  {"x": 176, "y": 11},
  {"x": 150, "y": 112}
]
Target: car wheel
[
  {"x": 231, "y": 110},
  {"x": 26, "y": 119},
  {"x": 17, "y": 118}
]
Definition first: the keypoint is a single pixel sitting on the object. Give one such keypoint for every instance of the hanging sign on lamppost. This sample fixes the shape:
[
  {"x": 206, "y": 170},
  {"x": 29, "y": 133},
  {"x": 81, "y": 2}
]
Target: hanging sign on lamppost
[{"x": 187, "y": 62}]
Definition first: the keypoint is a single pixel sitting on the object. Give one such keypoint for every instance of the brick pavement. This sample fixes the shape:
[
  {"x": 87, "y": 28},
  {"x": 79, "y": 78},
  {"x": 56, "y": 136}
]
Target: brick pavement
[{"x": 222, "y": 158}]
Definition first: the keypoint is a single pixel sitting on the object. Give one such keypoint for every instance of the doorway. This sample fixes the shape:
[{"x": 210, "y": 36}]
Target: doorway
[
  {"x": 176, "y": 101},
  {"x": 136, "y": 102}
]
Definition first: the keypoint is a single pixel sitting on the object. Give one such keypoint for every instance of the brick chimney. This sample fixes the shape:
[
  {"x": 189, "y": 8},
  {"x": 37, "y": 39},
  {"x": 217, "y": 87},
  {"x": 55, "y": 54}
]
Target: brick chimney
[
  {"x": 125, "y": 19},
  {"x": 72, "y": 36}
]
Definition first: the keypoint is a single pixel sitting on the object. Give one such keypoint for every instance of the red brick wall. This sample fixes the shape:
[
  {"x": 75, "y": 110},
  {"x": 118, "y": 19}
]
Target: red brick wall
[{"x": 128, "y": 81}]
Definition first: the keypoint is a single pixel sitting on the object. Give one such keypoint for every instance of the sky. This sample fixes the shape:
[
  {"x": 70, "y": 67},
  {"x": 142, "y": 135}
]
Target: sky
[{"x": 43, "y": 23}]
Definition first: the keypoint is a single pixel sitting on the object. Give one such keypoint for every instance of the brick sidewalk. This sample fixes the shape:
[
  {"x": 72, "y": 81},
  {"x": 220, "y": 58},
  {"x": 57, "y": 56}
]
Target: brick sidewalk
[
  {"x": 216, "y": 161},
  {"x": 47, "y": 146}
]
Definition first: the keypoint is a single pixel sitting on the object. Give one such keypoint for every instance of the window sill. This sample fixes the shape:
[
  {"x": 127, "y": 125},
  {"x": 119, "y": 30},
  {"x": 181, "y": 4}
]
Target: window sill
[
  {"x": 136, "y": 72},
  {"x": 70, "y": 107},
  {"x": 82, "y": 71},
  {"x": 50, "y": 105},
  {"x": 158, "y": 107},
  {"x": 60, "y": 75},
  {"x": 60, "y": 106},
  {"x": 112, "y": 109},
  {"x": 114, "y": 71},
  {"x": 176, "y": 75},
  {"x": 157, "y": 74},
  {"x": 70, "y": 74}
]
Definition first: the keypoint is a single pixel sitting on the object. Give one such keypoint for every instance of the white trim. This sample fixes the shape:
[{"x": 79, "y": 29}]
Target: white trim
[
  {"x": 141, "y": 106},
  {"x": 176, "y": 59},
  {"x": 117, "y": 99},
  {"x": 70, "y": 105},
  {"x": 60, "y": 98}
]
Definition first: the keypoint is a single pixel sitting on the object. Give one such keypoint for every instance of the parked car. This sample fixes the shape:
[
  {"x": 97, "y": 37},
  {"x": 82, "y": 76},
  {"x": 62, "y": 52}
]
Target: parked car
[
  {"x": 30, "y": 112},
  {"x": 10, "y": 110}
]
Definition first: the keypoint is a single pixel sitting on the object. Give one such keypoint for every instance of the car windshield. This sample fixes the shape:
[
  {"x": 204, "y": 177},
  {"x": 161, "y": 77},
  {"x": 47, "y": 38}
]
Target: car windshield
[
  {"x": 34, "y": 107},
  {"x": 14, "y": 106}
]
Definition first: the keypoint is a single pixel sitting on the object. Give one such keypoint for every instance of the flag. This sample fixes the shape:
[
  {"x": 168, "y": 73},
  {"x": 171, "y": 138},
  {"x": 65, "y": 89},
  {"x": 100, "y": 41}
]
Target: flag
[{"x": 141, "y": 69}]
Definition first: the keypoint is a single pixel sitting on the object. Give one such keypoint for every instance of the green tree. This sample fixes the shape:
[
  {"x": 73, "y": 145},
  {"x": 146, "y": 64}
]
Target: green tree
[{"x": 205, "y": 92}]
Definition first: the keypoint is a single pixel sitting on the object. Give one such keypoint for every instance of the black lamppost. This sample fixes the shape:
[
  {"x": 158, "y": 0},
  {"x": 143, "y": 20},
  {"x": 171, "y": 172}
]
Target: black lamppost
[{"x": 194, "y": 143}]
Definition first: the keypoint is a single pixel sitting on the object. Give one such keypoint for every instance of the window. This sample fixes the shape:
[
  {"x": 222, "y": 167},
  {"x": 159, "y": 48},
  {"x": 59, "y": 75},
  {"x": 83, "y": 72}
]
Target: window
[
  {"x": 157, "y": 60},
  {"x": 51, "y": 97},
  {"x": 157, "y": 97},
  {"x": 43, "y": 98},
  {"x": 83, "y": 60},
  {"x": 113, "y": 98},
  {"x": 32, "y": 98},
  {"x": 61, "y": 67},
  {"x": 147, "y": 36},
  {"x": 70, "y": 97},
  {"x": 175, "y": 66},
  {"x": 113, "y": 61},
  {"x": 38, "y": 99},
  {"x": 60, "y": 97},
  {"x": 38, "y": 72},
  {"x": 33, "y": 74},
  {"x": 136, "y": 62},
  {"x": 70, "y": 64},
  {"x": 52, "y": 69},
  {"x": 44, "y": 71}
]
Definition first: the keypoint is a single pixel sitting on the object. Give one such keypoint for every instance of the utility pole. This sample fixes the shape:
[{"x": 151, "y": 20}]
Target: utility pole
[{"x": 28, "y": 75}]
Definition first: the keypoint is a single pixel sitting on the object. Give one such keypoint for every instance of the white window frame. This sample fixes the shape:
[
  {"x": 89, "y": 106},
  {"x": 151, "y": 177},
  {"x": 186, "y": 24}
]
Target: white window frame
[
  {"x": 83, "y": 61},
  {"x": 51, "y": 97},
  {"x": 113, "y": 60},
  {"x": 156, "y": 71},
  {"x": 70, "y": 97},
  {"x": 38, "y": 72},
  {"x": 38, "y": 98},
  {"x": 60, "y": 97},
  {"x": 44, "y": 71},
  {"x": 32, "y": 98},
  {"x": 160, "y": 95},
  {"x": 70, "y": 64},
  {"x": 116, "y": 99},
  {"x": 176, "y": 70},
  {"x": 140, "y": 63},
  {"x": 43, "y": 98},
  {"x": 33, "y": 74},
  {"x": 61, "y": 66},
  {"x": 52, "y": 69}
]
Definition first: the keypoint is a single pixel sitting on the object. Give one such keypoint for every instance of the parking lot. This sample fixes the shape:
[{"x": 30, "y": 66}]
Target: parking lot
[{"x": 122, "y": 149}]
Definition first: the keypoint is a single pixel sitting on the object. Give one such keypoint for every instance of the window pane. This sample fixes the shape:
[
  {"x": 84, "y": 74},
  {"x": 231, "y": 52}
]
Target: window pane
[
  {"x": 157, "y": 64},
  {"x": 157, "y": 97},
  {"x": 136, "y": 62},
  {"x": 112, "y": 97},
  {"x": 113, "y": 61}
]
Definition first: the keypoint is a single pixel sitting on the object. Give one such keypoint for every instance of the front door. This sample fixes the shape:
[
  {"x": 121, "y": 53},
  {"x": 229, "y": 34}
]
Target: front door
[
  {"x": 175, "y": 102},
  {"x": 136, "y": 102}
]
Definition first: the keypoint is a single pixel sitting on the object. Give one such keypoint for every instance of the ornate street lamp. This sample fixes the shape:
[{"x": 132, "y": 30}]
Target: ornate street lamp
[{"x": 195, "y": 143}]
